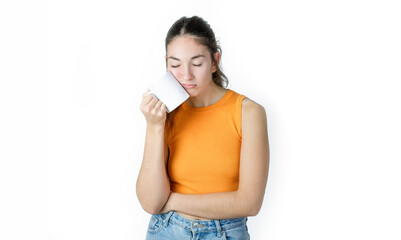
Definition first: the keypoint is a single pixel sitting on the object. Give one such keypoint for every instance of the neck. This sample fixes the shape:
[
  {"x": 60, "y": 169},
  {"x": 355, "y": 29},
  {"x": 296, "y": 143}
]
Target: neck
[{"x": 210, "y": 96}]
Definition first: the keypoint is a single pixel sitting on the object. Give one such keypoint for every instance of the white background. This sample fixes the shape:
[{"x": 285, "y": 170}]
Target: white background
[{"x": 71, "y": 135}]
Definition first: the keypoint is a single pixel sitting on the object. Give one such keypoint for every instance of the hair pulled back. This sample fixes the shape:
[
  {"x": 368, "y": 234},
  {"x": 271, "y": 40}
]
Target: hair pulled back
[{"x": 203, "y": 34}]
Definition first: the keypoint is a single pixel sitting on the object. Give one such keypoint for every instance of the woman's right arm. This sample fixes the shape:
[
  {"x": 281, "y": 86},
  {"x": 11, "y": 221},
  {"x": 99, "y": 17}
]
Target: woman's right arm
[{"x": 153, "y": 185}]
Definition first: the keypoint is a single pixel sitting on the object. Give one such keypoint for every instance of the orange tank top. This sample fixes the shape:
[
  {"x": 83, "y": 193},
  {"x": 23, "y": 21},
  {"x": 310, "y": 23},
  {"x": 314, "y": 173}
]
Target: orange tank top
[{"x": 204, "y": 146}]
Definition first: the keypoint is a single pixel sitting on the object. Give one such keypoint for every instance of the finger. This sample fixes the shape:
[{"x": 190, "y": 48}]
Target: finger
[
  {"x": 164, "y": 108},
  {"x": 158, "y": 105},
  {"x": 147, "y": 99},
  {"x": 145, "y": 93},
  {"x": 152, "y": 103}
]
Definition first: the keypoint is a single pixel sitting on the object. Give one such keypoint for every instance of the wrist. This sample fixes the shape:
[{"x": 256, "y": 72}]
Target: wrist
[{"x": 153, "y": 127}]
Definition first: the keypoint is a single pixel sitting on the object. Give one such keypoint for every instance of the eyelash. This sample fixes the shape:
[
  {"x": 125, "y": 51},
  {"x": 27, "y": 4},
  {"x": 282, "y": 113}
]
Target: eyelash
[{"x": 194, "y": 65}]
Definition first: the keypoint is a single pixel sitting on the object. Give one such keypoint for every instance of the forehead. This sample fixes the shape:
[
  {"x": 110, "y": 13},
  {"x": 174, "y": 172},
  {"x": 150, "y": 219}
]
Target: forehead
[{"x": 185, "y": 48}]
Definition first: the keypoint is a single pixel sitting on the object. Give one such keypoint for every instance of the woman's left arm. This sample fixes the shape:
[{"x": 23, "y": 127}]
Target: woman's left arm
[{"x": 254, "y": 168}]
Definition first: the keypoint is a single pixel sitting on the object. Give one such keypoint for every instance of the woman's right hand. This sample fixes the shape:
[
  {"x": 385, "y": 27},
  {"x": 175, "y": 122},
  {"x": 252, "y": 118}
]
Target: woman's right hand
[{"x": 153, "y": 109}]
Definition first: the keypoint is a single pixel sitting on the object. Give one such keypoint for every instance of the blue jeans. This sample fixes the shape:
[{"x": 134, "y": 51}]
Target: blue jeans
[{"x": 173, "y": 226}]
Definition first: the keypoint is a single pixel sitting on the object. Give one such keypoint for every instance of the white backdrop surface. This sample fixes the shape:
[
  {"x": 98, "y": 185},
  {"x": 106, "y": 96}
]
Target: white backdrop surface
[{"x": 71, "y": 135}]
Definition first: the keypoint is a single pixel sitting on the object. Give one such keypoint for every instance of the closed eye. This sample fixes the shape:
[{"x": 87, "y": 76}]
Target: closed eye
[{"x": 179, "y": 65}]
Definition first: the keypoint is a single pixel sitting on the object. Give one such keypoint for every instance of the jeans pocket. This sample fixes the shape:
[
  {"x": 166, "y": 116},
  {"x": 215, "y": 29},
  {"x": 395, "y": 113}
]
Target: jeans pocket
[{"x": 155, "y": 224}]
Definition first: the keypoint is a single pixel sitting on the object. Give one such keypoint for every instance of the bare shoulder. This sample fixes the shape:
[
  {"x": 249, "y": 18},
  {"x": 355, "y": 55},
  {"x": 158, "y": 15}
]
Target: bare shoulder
[{"x": 253, "y": 109}]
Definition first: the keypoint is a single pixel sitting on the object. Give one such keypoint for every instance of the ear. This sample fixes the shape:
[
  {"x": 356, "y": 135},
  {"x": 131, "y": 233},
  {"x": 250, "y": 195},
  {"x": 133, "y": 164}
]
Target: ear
[{"x": 217, "y": 56}]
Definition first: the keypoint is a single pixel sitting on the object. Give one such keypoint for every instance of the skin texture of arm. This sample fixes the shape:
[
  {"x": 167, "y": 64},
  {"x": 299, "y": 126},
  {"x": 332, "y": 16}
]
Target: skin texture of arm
[
  {"x": 254, "y": 167},
  {"x": 153, "y": 185}
]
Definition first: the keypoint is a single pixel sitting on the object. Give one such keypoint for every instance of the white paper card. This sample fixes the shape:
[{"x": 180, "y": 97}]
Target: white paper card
[{"x": 169, "y": 91}]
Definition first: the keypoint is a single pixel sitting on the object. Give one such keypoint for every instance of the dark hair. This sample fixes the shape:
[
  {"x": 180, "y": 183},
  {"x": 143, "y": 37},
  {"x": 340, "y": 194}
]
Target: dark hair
[{"x": 203, "y": 34}]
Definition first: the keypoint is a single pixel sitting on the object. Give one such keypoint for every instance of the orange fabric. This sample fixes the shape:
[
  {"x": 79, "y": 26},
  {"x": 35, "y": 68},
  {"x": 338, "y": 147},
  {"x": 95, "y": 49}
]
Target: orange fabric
[{"x": 204, "y": 146}]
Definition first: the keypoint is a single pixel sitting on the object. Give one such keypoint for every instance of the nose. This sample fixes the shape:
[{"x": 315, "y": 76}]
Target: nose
[{"x": 186, "y": 73}]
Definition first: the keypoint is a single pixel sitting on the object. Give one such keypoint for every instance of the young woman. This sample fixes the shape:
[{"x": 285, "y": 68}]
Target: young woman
[{"x": 205, "y": 165}]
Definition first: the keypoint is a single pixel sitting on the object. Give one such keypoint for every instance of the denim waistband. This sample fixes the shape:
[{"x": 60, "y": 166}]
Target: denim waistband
[{"x": 202, "y": 225}]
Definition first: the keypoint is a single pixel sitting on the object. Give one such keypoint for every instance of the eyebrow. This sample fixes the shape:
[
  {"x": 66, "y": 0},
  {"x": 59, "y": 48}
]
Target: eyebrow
[{"x": 194, "y": 57}]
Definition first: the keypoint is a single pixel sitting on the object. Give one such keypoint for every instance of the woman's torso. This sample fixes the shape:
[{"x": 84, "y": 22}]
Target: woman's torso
[{"x": 204, "y": 144}]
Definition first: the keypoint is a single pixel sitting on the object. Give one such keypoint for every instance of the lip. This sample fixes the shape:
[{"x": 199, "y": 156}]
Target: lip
[{"x": 189, "y": 85}]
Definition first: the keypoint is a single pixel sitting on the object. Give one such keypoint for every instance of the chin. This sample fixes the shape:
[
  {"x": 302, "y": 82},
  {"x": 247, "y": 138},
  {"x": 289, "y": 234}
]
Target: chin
[{"x": 192, "y": 92}]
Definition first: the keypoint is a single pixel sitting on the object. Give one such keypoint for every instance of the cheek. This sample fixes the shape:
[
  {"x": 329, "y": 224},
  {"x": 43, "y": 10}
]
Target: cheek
[
  {"x": 203, "y": 72},
  {"x": 173, "y": 71}
]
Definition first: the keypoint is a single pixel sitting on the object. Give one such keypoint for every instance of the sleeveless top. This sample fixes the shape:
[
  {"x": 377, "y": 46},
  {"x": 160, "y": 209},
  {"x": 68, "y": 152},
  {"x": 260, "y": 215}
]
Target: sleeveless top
[{"x": 204, "y": 145}]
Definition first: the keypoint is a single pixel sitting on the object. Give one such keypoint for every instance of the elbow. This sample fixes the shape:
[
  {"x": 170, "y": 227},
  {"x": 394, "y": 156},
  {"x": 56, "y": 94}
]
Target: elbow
[
  {"x": 151, "y": 204},
  {"x": 253, "y": 206},
  {"x": 151, "y": 207},
  {"x": 151, "y": 210},
  {"x": 254, "y": 210}
]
